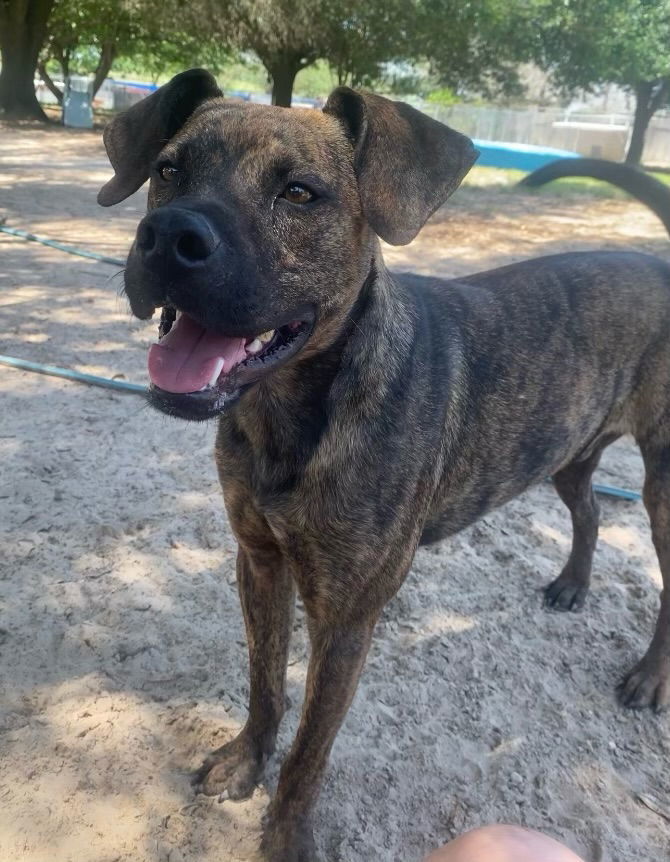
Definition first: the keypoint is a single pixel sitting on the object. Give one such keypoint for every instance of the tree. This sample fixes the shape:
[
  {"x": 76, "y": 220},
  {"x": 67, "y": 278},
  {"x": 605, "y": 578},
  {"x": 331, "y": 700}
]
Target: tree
[
  {"x": 363, "y": 38},
  {"x": 289, "y": 35},
  {"x": 23, "y": 27},
  {"x": 88, "y": 36},
  {"x": 478, "y": 47},
  {"x": 85, "y": 36},
  {"x": 624, "y": 42},
  {"x": 467, "y": 44},
  {"x": 285, "y": 35}
]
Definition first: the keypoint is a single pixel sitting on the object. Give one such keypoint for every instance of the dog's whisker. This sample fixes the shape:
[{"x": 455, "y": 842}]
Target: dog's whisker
[{"x": 114, "y": 275}]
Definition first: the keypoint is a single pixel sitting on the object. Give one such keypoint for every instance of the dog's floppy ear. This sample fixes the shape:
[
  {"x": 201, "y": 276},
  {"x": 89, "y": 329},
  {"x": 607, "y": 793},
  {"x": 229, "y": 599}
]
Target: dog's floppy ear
[
  {"x": 135, "y": 137},
  {"x": 406, "y": 163}
]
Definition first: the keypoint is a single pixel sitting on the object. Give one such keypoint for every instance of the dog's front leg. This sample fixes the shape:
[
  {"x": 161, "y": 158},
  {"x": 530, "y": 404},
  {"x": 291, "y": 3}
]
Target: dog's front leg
[
  {"x": 267, "y": 597},
  {"x": 338, "y": 655}
]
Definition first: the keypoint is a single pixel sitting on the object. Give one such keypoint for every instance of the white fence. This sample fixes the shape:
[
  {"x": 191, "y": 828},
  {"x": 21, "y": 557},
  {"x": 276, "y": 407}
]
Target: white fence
[
  {"x": 600, "y": 135},
  {"x": 657, "y": 142}
]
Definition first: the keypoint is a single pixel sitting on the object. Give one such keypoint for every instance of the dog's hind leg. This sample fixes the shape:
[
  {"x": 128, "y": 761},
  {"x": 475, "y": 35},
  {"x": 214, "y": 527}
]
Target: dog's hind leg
[
  {"x": 648, "y": 684},
  {"x": 267, "y": 596},
  {"x": 573, "y": 484}
]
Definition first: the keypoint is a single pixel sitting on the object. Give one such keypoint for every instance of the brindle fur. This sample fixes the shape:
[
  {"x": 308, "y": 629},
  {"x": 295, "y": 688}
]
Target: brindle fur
[{"x": 418, "y": 404}]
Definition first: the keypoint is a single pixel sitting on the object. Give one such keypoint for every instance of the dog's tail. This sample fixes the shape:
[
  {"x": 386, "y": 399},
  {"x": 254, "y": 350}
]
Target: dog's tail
[{"x": 647, "y": 189}]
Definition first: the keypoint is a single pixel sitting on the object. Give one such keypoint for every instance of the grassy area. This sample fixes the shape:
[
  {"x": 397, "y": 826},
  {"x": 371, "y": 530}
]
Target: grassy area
[
  {"x": 313, "y": 82},
  {"x": 243, "y": 76},
  {"x": 504, "y": 178}
]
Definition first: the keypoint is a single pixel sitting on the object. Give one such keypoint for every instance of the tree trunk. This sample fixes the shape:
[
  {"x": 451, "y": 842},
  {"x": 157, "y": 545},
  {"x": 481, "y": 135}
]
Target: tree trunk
[
  {"x": 48, "y": 80},
  {"x": 643, "y": 115},
  {"x": 283, "y": 75},
  {"x": 23, "y": 26},
  {"x": 649, "y": 96},
  {"x": 107, "y": 57}
]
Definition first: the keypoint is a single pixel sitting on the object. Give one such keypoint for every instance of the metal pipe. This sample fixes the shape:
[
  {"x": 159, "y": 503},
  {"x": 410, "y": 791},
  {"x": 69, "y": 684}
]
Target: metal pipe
[
  {"x": 69, "y": 374},
  {"x": 52, "y": 243}
]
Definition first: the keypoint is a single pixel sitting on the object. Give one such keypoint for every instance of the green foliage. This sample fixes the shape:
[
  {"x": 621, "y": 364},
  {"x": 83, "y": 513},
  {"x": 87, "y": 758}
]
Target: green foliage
[
  {"x": 368, "y": 42},
  {"x": 78, "y": 30},
  {"x": 245, "y": 73},
  {"x": 400, "y": 45},
  {"x": 86, "y": 36},
  {"x": 315, "y": 81},
  {"x": 403, "y": 79},
  {"x": 352, "y": 38},
  {"x": 623, "y": 42},
  {"x": 448, "y": 47},
  {"x": 442, "y": 96},
  {"x": 605, "y": 41},
  {"x": 476, "y": 47}
]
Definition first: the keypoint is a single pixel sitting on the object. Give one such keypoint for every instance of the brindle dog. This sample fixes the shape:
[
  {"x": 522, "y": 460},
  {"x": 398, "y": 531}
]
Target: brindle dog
[{"x": 362, "y": 413}]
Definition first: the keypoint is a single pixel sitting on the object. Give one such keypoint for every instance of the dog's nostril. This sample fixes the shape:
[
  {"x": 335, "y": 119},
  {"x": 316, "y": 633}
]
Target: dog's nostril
[
  {"x": 146, "y": 238},
  {"x": 193, "y": 247}
]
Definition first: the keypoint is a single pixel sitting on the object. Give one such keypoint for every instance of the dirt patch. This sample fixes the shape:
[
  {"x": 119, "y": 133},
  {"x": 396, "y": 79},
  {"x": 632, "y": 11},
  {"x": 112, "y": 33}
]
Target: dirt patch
[{"x": 123, "y": 658}]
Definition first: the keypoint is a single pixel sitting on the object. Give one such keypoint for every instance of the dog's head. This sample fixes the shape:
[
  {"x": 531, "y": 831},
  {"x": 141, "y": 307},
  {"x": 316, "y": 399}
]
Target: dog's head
[{"x": 261, "y": 223}]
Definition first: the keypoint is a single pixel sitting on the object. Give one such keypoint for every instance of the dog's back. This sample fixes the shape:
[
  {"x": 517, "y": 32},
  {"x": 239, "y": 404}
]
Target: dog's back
[{"x": 547, "y": 359}]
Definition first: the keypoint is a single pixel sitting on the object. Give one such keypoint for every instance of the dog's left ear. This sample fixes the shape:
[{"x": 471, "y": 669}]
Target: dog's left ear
[
  {"x": 136, "y": 137},
  {"x": 406, "y": 163}
]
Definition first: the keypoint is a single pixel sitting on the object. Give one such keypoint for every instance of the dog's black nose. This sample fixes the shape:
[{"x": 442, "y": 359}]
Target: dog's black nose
[{"x": 170, "y": 236}]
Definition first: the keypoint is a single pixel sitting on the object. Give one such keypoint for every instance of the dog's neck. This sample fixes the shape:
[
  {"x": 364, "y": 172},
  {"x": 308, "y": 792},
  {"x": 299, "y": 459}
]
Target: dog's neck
[{"x": 288, "y": 412}]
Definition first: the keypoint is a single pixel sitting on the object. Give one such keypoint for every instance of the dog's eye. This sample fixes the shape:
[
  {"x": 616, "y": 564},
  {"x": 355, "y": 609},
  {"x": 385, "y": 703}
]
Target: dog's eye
[
  {"x": 167, "y": 172},
  {"x": 296, "y": 193}
]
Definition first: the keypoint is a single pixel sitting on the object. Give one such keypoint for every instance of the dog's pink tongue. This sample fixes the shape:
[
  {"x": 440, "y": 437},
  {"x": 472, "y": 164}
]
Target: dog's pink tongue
[{"x": 186, "y": 358}]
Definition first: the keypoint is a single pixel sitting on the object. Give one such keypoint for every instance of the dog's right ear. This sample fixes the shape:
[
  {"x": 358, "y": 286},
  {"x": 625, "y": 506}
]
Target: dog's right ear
[{"x": 135, "y": 137}]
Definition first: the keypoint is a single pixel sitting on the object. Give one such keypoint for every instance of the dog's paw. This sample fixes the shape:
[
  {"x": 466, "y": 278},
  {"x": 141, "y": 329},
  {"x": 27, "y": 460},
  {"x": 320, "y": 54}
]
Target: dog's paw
[
  {"x": 647, "y": 685},
  {"x": 566, "y": 593},
  {"x": 232, "y": 771},
  {"x": 287, "y": 839}
]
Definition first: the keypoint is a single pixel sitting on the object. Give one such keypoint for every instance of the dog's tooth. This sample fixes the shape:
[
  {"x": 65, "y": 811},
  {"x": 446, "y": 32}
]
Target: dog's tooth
[
  {"x": 266, "y": 336},
  {"x": 218, "y": 368},
  {"x": 254, "y": 346}
]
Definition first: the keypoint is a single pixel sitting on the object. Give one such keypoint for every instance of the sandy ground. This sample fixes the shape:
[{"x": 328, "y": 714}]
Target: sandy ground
[{"x": 123, "y": 658}]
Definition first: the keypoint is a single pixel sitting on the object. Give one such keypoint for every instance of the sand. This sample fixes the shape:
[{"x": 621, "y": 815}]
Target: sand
[{"x": 122, "y": 651}]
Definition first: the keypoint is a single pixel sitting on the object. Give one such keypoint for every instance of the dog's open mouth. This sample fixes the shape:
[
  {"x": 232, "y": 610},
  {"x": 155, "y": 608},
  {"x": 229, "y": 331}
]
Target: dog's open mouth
[{"x": 195, "y": 372}]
